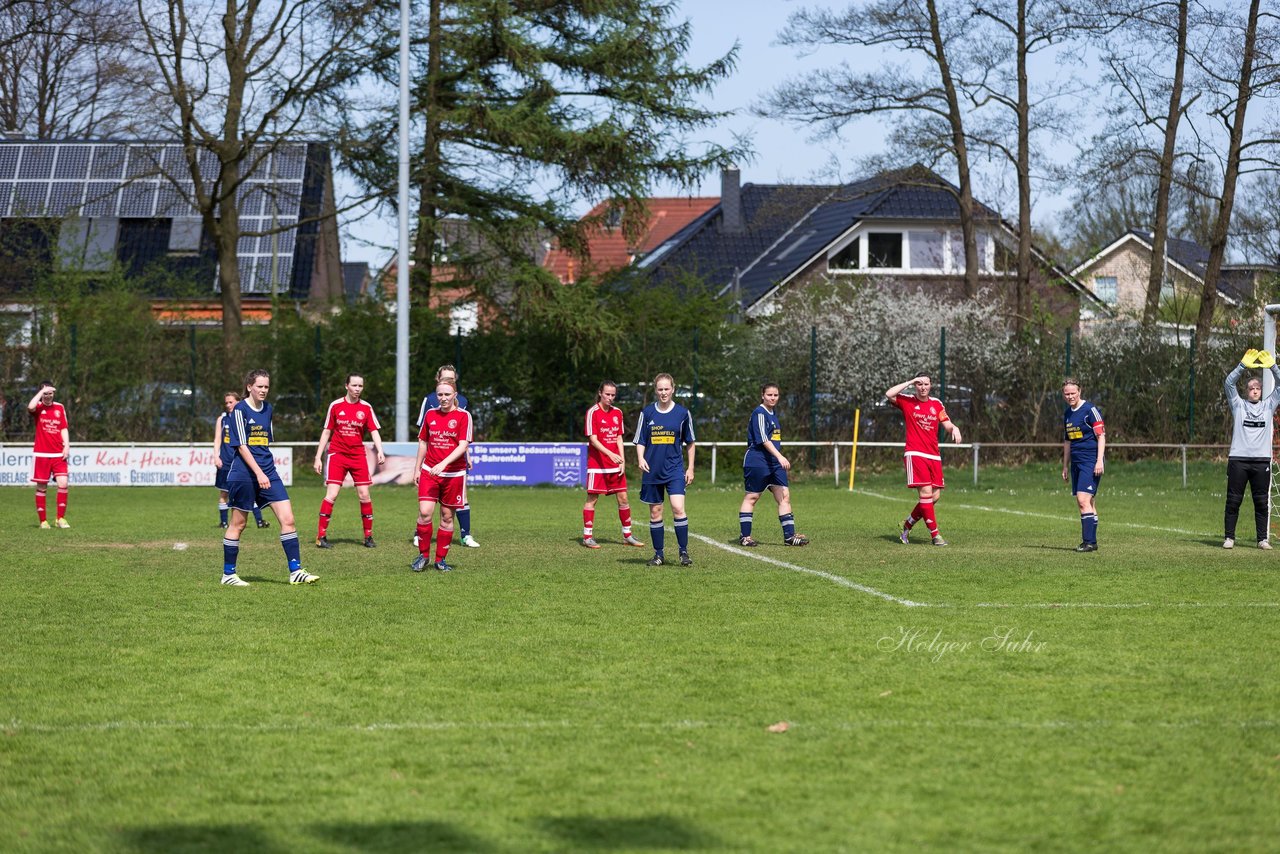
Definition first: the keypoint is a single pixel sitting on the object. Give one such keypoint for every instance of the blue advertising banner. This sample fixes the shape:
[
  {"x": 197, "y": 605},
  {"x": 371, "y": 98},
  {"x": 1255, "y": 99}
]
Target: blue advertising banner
[{"x": 500, "y": 463}]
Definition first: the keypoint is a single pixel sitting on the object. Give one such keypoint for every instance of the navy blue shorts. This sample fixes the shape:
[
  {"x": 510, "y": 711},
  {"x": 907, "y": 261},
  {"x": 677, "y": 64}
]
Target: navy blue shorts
[
  {"x": 653, "y": 492},
  {"x": 244, "y": 494},
  {"x": 220, "y": 478},
  {"x": 1083, "y": 478},
  {"x": 760, "y": 478}
]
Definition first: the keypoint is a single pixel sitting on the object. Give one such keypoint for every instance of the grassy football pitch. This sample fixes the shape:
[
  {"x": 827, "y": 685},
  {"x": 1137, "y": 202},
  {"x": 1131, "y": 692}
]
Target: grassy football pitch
[{"x": 1001, "y": 694}]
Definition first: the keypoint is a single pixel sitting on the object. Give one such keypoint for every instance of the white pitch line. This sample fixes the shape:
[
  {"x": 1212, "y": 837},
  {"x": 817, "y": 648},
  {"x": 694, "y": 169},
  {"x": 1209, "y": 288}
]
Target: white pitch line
[
  {"x": 837, "y": 579},
  {"x": 1123, "y": 605},
  {"x": 17, "y": 727},
  {"x": 1059, "y": 518}
]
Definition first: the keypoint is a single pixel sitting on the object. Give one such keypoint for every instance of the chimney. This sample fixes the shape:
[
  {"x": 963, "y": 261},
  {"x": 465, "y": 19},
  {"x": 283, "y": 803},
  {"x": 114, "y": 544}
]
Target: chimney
[{"x": 731, "y": 200}]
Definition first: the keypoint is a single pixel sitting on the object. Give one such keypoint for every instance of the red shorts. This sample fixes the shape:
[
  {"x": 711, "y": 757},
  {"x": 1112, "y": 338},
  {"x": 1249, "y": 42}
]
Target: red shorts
[
  {"x": 922, "y": 471},
  {"x": 336, "y": 467},
  {"x": 47, "y": 468},
  {"x": 606, "y": 482},
  {"x": 447, "y": 491}
]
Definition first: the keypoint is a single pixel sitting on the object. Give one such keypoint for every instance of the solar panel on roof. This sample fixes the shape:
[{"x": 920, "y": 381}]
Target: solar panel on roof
[
  {"x": 138, "y": 199},
  {"x": 6, "y": 196},
  {"x": 65, "y": 198},
  {"x": 29, "y": 198},
  {"x": 251, "y": 199},
  {"x": 144, "y": 162},
  {"x": 108, "y": 162},
  {"x": 171, "y": 203},
  {"x": 73, "y": 162},
  {"x": 100, "y": 198},
  {"x": 288, "y": 163},
  {"x": 173, "y": 161},
  {"x": 8, "y": 162},
  {"x": 37, "y": 162}
]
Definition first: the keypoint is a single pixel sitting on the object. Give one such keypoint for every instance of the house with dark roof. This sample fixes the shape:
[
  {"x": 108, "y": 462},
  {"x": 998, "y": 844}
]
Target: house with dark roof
[
  {"x": 609, "y": 249},
  {"x": 762, "y": 240},
  {"x": 1119, "y": 273},
  {"x": 89, "y": 205}
]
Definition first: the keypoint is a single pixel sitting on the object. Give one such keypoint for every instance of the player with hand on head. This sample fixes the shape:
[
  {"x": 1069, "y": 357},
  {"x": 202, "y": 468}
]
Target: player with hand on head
[
  {"x": 343, "y": 434},
  {"x": 664, "y": 428},
  {"x": 764, "y": 467},
  {"x": 224, "y": 455},
  {"x": 51, "y": 452},
  {"x": 606, "y": 464},
  {"x": 254, "y": 481},
  {"x": 1249, "y": 460},
  {"x": 449, "y": 374},
  {"x": 1084, "y": 445},
  {"x": 923, "y": 458}
]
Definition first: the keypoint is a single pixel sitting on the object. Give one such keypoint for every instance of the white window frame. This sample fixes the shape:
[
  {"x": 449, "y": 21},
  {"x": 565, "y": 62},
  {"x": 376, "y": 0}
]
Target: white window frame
[{"x": 951, "y": 266}]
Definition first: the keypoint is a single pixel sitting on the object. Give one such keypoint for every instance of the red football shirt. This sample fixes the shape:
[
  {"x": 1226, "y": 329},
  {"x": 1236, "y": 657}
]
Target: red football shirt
[
  {"x": 923, "y": 418},
  {"x": 50, "y": 421},
  {"x": 607, "y": 427},
  {"x": 443, "y": 431},
  {"x": 348, "y": 423}
]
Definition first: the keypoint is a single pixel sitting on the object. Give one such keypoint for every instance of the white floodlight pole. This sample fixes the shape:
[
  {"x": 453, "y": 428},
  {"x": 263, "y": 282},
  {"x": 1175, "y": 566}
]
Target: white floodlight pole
[
  {"x": 1268, "y": 384},
  {"x": 402, "y": 245},
  {"x": 1269, "y": 344}
]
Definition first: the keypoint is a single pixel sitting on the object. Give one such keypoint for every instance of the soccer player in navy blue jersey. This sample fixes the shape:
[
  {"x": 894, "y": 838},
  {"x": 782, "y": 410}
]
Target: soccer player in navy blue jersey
[
  {"x": 764, "y": 467},
  {"x": 224, "y": 455},
  {"x": 253, "y": 480},
  {"x": 1084, "y": 443},
  {"x": 663, "y": 432},
  {"x": 449, "y": 374}
]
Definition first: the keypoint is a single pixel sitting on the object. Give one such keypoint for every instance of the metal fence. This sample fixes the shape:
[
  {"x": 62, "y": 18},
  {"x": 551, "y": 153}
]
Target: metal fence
[{"x": 974, "y": 447}]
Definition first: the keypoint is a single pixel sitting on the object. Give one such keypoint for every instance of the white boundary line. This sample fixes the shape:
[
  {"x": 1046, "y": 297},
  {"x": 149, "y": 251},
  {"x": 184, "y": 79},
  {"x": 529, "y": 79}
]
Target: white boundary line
[
  {"x": 836, "y": 579},
  {"x": 1040, "y": 515},
  {"x": 18, "y": 727},
  {"x": 862, "y": 588}
]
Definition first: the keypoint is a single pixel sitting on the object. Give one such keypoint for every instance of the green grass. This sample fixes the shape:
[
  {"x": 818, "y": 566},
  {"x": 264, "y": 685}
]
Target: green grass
[{"x": 543, "y": 697}]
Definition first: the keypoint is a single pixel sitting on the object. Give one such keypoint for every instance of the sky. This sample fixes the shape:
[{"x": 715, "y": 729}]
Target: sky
[{"x": 782, "y": 153}]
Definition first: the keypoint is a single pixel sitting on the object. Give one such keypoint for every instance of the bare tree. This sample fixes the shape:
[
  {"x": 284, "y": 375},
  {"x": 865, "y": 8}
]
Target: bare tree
[
  {"x": 1015, "y": 31},
  {"x": 239, "y": 78},
  {"x": 930, "y": 113},
  {"x": 1145, "y": 55},
  {"x": 67, "y": 69},
  {"x": 1243, "y": 65}
]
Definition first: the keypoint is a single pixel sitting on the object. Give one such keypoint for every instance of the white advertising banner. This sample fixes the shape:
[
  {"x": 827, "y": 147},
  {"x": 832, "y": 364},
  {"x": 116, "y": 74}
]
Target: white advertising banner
[{"x": 140, "y": 465}]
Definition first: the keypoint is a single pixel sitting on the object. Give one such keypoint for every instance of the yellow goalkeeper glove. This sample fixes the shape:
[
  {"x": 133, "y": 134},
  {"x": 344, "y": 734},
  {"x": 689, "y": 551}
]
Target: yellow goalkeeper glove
[
  {"x": 1250, "y": 358},
  {"x": 1265, "y": 359}
]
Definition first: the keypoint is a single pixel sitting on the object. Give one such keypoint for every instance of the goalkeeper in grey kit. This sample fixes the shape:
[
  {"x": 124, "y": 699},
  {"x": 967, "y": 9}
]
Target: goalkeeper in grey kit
[{"x": 1249, "y": 460}]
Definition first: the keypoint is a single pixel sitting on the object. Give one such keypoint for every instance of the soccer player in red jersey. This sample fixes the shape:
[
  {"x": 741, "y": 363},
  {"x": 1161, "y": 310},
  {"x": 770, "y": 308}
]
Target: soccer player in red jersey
[
  {"x": 52, "y": 449},
  {"x": 344, "y": 428},
  {"x": 606, "y": 464},
  {"x": 922, "y": 457},
  {"x": 440, "y": 473}
]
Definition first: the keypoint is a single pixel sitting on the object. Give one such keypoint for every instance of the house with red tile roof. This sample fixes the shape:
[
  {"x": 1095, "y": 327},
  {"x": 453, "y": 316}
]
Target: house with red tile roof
[{"x": 608, "y": 249}]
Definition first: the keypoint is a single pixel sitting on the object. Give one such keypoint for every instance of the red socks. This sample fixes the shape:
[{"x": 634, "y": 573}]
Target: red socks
[
  {"x": 366, "y": 517},
  {"x": 424, "y": 539},
  {"x": 588, "y": 522},
  {"x": 930, "y": 519},
  {"x": 326, "y": 513},
  {"x": 42, "y": 499},
  {"x": 443, "y": 539},
  {"x": 624, "y": 516}
]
